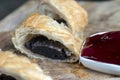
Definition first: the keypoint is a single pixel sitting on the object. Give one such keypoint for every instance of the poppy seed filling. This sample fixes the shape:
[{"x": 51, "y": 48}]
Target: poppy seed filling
[
  {"x": 48, "y": 48},
  {"x": 61, "y": 21},
  {"x": 6, "y": 77}
]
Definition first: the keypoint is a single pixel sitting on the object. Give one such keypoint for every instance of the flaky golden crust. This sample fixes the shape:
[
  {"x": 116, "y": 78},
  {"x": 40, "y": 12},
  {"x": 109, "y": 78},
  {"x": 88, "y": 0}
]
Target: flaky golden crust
[
  {"x": 38, "y": 24},
  {"x": 69, "y": 10},
  {"x": 20, "y": 67}
]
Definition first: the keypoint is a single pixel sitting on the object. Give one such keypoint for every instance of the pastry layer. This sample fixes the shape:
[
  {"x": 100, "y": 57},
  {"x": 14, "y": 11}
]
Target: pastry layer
[
  {"x": 13, "y": 67},
  {"x": 67, "y": 10}
]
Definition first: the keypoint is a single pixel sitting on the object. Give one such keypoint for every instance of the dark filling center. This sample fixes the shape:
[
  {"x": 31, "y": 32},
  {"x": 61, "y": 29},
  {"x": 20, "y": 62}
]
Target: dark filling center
[
  {"x": 48, "y": 48},
  {"x": 6, "y": 77},
  {"x": 61, "y": 21}
]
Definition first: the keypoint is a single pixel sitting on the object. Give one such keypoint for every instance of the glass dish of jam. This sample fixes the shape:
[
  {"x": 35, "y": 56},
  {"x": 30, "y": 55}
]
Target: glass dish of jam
[{"x": 101, "y": 52}]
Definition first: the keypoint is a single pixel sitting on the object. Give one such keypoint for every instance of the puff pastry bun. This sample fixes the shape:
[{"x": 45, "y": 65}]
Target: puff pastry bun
[
  {"x": 19, "y": 68},
  {"x": 55, "y": 41},
  {"x": 67, "y": 10}
]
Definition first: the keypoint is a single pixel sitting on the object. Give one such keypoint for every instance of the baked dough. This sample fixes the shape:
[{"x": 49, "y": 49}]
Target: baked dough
[
  {"x": 20, "y": 68},
  {"x": 37, "y": 25},
  {"x": 68, "y": 10}
]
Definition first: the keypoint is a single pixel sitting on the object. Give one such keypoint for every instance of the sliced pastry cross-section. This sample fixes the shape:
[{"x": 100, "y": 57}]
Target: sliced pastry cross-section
[
  {"x": 13, "y": 67},
  {"x": 42, "y": 37},
  {"x": 67, "y": 12}
]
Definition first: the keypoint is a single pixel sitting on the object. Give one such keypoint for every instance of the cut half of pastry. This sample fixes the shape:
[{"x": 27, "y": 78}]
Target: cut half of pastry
[
  {"x": 68, "y": 12},
  {"x": 42, "y": 37},
  {"x": 13, "y": 67}
]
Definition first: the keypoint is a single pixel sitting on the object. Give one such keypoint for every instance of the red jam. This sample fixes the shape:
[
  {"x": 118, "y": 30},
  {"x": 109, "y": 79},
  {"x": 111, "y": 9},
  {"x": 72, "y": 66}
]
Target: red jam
[{"x": 103, "y": 47}]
